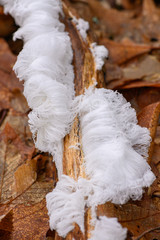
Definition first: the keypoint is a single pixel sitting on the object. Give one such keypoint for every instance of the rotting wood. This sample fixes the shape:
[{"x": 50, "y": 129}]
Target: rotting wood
[{"x": 85, "y": 76}]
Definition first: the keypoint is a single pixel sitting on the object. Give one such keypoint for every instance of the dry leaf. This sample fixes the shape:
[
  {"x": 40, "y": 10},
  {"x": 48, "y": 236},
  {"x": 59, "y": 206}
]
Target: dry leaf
[
  {"x": 26, "y": 176},
  {"x": 121, "y": 52},
  {"x": 7, "y": 25}
]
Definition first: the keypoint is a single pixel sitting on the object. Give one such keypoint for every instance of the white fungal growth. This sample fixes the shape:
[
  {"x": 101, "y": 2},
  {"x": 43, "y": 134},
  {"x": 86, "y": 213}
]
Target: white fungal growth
[
  {"x": 107, "y": 229},
  {"x": 100, "y": 53},
  {"x": 45, "y": 66},
  {"x": 113, "y": 143},
  {"x": 23, "y": 11},
  {"x": 82, "y": 26},
  {"x": 66, "y": 206}
]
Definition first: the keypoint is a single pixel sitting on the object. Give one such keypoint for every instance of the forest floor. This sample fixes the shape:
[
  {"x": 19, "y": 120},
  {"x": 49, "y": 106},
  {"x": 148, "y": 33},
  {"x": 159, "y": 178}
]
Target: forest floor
[{"x": 131, "y": 32}]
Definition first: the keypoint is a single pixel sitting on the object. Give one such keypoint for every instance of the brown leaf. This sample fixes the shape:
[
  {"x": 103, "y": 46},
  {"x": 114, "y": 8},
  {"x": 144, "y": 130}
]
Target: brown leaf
[
  {"x": 138, "y": 70},
  {"x": 135, "y": 84},
  {"x": 141, "y": 97},
  {"x": 113, "y": 72},
  {"x": 25, "y": 222},
  {"x": 103, "y": 20},
  {"x": 8, "y": 80},
  {"x": 157, "y": 137},
  {"x": 7, "y": 59},
  {"x": 146, "y": 25},
  {"x": 137, "y": 216},
  {"x": 122, "y": 52},
  {"x": 138, "y": 24},
  {"x": 25, "y": 175},
  {"x": 156, "y": 153},
  {"x": 3, "y": 114},
  {"x": 129, "y": 4},
  {"x": 7, "y": 25},
  {"x": 149, "y": 117},
  {"x": 15, "y": 153},
  {"x": 135, "y": 74}
]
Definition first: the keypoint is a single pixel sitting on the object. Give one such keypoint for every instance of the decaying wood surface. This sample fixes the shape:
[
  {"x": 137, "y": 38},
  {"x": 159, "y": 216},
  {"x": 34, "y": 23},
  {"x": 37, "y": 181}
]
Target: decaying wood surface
[{"x": 85, "y": 76}]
